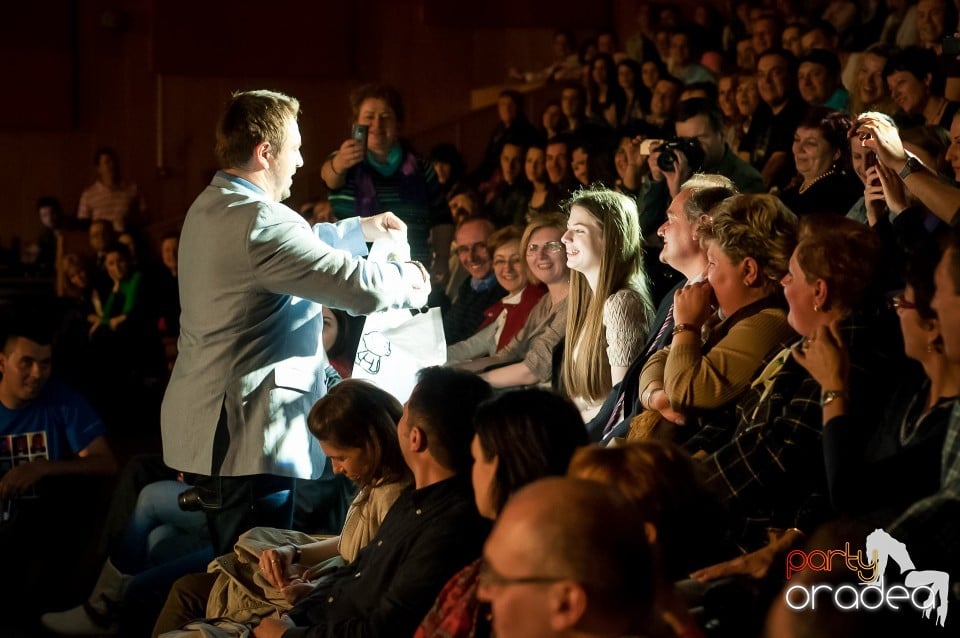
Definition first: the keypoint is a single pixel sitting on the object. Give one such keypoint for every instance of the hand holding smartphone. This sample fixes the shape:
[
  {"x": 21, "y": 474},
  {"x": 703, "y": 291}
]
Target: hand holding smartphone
[{"x": 359, "y": 133}]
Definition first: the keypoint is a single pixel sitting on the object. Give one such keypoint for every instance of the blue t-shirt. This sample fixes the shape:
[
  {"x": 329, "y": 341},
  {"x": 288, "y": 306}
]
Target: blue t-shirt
[{"x": 64, "y": 418}]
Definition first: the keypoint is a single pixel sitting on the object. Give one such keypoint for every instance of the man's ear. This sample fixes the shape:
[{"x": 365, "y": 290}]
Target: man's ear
[
  {"x": 568, "y": 605},
  {"x": 260, "y": 155},
  {"x": 3, "y": 363},
  {"x": 418, "y": 439}
]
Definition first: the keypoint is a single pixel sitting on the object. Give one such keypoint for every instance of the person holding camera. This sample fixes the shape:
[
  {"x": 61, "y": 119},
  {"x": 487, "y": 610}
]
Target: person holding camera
[
  {"x": 699, "y": 147},
  {"x": 374, "y": 170}
]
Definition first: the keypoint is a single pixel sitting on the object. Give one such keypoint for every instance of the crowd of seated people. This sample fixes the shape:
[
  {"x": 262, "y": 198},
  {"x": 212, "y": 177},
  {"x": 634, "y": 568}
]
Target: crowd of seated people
[{"x": 717, "y": 272}]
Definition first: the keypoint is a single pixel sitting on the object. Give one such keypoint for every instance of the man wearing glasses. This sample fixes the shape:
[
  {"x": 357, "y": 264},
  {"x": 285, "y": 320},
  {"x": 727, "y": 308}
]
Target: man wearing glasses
[
  {"x": 564, "y": 558},
  {"x": 480, "y": 290}
]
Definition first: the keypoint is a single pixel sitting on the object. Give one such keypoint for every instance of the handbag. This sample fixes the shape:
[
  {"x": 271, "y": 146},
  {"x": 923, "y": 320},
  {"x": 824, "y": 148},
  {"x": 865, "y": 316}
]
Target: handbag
[{"x": 395, "y": 345}]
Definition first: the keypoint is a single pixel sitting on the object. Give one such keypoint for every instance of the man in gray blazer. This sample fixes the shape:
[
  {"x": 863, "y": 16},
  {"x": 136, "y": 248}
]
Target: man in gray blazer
[{"x": 253, "y": 276}]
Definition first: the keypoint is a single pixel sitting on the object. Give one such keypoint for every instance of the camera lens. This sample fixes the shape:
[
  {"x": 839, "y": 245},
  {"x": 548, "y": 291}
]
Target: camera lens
[{"x": 667, "y": 160}]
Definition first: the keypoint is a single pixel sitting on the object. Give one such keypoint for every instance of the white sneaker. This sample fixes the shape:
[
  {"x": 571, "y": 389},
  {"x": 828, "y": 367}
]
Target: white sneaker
[{"x": 76, "y": 622}]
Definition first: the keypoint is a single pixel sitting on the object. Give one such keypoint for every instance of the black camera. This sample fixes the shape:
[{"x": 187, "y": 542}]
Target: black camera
[{"x": 689, "y": 146}]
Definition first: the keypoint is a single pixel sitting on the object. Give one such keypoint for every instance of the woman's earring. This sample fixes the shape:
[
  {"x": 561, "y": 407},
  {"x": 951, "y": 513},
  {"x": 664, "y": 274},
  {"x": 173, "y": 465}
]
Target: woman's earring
[{"x": 816, "y": 307}]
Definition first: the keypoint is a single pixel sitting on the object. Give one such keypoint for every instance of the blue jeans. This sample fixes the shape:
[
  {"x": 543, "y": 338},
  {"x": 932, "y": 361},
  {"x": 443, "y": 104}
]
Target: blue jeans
[{"x": 158, "y": 530}]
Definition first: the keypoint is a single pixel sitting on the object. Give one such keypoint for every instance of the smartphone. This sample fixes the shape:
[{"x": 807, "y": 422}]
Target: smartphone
[
  {"x": 359, "y": 133},
  {"x": 951, "y": 45}
]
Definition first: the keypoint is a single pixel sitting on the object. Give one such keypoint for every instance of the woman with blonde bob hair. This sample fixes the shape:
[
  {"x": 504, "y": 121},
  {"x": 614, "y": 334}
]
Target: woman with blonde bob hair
[
  {"x": 727, "y": 326},
  {"x": 609, "y": 312}
]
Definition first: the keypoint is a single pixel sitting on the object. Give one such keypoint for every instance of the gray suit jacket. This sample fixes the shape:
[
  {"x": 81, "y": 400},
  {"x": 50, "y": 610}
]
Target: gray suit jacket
[{"x": 252, "y": 277}]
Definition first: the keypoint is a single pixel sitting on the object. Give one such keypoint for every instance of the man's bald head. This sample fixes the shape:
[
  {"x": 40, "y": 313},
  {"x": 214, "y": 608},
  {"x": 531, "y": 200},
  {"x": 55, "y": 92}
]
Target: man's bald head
[{"x": 581, "y": 533}]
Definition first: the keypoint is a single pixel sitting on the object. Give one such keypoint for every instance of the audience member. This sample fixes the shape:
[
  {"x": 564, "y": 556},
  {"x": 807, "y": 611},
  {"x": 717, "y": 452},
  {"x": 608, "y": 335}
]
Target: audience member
[
  {"x": 557, "y": 160},
  {"x": 767, "y": 142},
  {"x": 110, "y": 198},
  {"x": 565, "y": 558},
  {"x": 271, "y": 569},
  {"x": 504, "y": 319},
  {"x": 609, "y": 313},
  {"x": 159, "y": 543},
  {"x": 166, "y": 287},
  {"x": 683, "y": 523},
  {"x": 543, "y": 196},
  {"x": 768, "y": 467},
  {"x": 683, "y": 252},
  {"x": 432, "y": 530},
  {"x": 507, "y": 203},
  {"x": 512, "y": 124},
  {"x": 825, "y": 182},
  {"x": 866, "y": 462},
  {"x": 818, "y": 79},
  {"x": 61, "y": 484},
  {"x": 869, "y": 91},
  {"x": 565, "y": 64},
  {"x": 449, "y": 166},
  {"x": 520, "y": 437},
  {"x": 636, "y": 94},
  {"x": 480, "y": 289},
  {"x": 916, "y": 86},
  {"x": 529, "y": 358},
  {"x": 697, "y": 120},
  {"x": 606, "y": 99},
  {"x": 929, "y": 526},
  {"x": 683, "y": 53},
  {"x": 387, "y": 175},
  {"x": 726, "y": 327}
]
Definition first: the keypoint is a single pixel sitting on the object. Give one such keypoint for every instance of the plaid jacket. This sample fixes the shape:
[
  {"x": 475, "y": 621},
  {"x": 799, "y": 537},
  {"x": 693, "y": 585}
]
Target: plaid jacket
[{"x": 770, "y": 471}]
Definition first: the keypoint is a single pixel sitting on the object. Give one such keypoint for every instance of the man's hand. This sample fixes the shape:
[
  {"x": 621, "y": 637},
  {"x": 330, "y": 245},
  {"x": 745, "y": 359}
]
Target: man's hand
[
  {"x": 383, "y": 226},
  {"x": 22, "y": 477},
  {"x": 679, "y": 174}
]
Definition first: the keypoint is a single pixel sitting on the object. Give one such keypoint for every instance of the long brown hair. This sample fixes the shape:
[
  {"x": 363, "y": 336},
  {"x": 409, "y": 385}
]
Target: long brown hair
[{"x": 621, "y": 266}]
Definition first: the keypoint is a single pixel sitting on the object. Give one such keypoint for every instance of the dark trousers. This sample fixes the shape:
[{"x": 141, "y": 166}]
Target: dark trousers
[{"x": 235, "y": 504}]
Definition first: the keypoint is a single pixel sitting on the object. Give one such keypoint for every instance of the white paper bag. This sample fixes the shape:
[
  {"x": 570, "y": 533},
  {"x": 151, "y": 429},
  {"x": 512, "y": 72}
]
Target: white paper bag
[{"x": 395, "y": 345}]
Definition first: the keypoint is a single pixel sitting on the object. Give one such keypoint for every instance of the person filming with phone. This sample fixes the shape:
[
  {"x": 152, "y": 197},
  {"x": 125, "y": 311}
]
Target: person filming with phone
[{"x": 374, "y": 170}]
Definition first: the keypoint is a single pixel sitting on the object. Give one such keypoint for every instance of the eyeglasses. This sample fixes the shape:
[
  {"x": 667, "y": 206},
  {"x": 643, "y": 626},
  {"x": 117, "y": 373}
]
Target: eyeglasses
[
  {"x": 466, "y": 250},
  {"x": 501, "y": 262},
  {"x": 489, "y": 577},
  {"x": 550, "y": 247},
  {"x": 898, "y": 303}
]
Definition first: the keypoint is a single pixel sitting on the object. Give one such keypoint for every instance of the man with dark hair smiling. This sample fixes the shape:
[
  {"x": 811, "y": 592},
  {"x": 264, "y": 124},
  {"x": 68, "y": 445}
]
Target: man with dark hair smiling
[
  {"x": 41, "y": 492},
  {"x": 768, "y": 143}
]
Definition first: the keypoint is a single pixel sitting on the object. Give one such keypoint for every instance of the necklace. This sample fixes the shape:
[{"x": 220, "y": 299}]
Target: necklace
[{"x": 805, "y": 186}]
